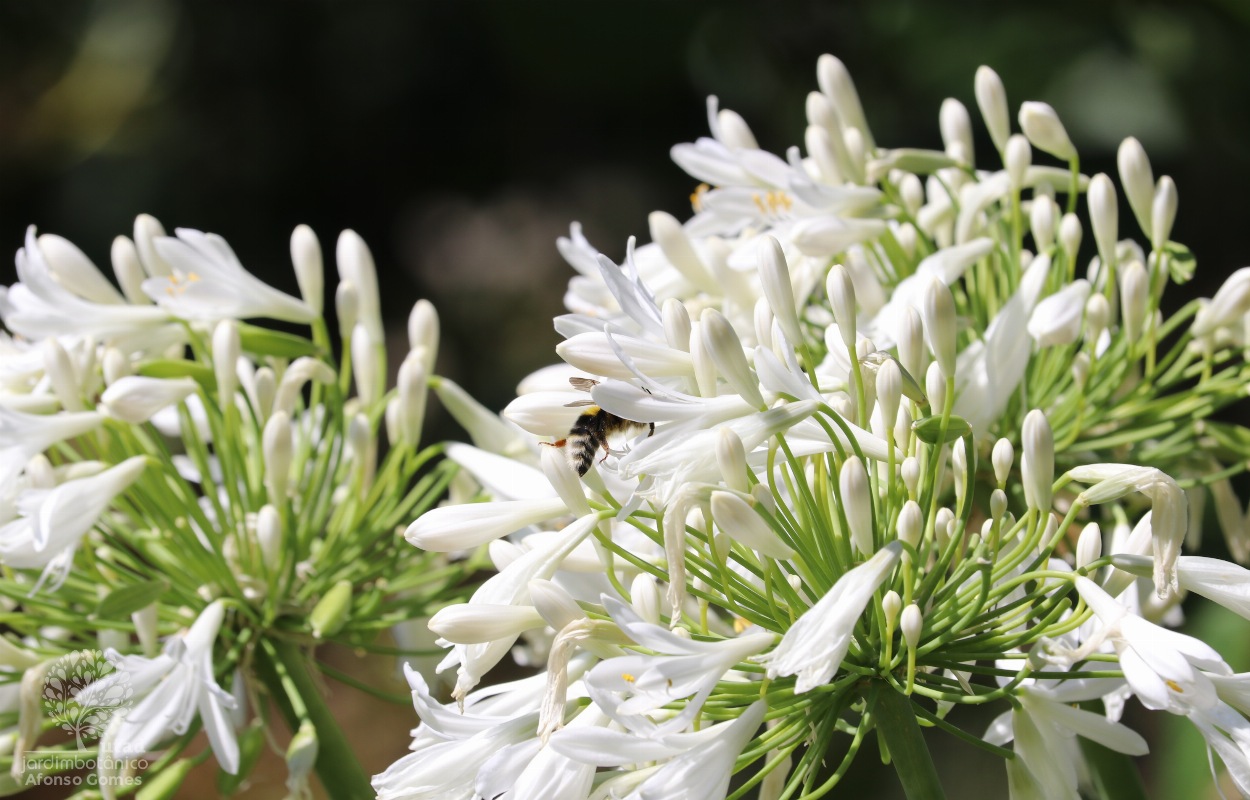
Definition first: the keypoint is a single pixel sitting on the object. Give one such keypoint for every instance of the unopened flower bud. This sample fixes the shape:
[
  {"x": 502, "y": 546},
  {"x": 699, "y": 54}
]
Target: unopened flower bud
[
  {"x": 554, "y": 604},
  {"x": 701, "y": 359},
  {"x": 737, "y": 518},
  {"x": 277, "y": 450},
  {"x": 423, "y": 331},
  {"x": 835, "y": 81},
  {"x": 147, "y": 230},
  {"x": 564, "y": 478},
  {"x": 1097, "y": 316},
  {"x": 1104, "y": 216},
  {"x": 301, "y": 755},
  {"x": 959, "y": 461},
  {"x": 1042, "y": 222},
  {"x": 165, "y": 784},
  {"x": 941, "y": 527},
  {"x": 146, "y": 620},
  {"x": 891, "y": 604},
  {"x": 939, "y": 323},
  {"x": 136, "y": 398},
  {"x": 266, "y": 389},
  {"x": 841, "y": 293},
  {"x": 731, "y": 456},
  {"x": 116, "y": 366},
  {"x": 734, "y": 131},
  {"x": 998, "y": 504},
  {"x": 226, "y": 349},
  {"x": 1163, "y": 213},
  {"x": 1134, "y": 297},
  {"x": 911, "y": 474},
  {"x": 365, "y": 364},
  {"x": 1070, "y": 234},
  {"x": 956, "y": 128},
  {"x": 645, "y": 598},
  {"x": 1041, "y": 124},
  {"x": 346, "y": 307},
  {"x": 413, "y": 389},
  {"x": 355, "y": 264},
  {"x": 992, "y": 100},
  {"x": 309, "y": 267},
  {"x": 677, "y": 324},
  {"x": 726, "y": 350},
  {"x": 935, "y": 387},
  {"x": 911, "y": 347},
  {"x": 912, "y": 193},
  {"x": 667, "y": 232},
  {"x": 1019, "y": 157},
  {"x": 60, "y": 372},
  {"x": 1038, "y": 464},
  {"x": 889, "y": 389},
  {"x": 1138, "y": 181},
  {"x": 902, "y": 426},
  {"x": 1003, "y": 456},
  {"x": 775, "y": 281},
  {"x": 332, "y": 610},
  {"x": 1080, "y": 369},
  {"x": 911, "y": 624},
  {"x": 1089, "y": 545},
  {"x": 857, "y": 503},
  {"x": 129, "y": 271},
  {"x": 821, "y": 147},
  {"x": 269, "y": 536},
  {"x": 910, "y": 523}
]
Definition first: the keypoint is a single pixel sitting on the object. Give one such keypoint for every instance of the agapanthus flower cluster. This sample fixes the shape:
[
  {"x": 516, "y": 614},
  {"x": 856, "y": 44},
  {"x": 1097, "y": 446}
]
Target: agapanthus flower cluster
[
  {"x": 805, "y": 524},
  {"x": 169, "y": 471}
]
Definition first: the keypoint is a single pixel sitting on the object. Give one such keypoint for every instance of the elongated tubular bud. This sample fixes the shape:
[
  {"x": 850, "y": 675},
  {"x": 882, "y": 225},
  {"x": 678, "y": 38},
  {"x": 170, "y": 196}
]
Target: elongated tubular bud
[
  {"x": 911, "y": 625},
  {"x": 1163, "y": 212},
  {"x": 1041, "y": 124},
  {"x": 939, "y": 323},
  {"x": 677, "y": 324},
  {"x": 726, "y": 350},
  {"x": 857, "y": 503},
  {"x": 704, "y": 366},
  {"x": 309, "y": 267},
  {"x": 1019, "y": 157},
  {"x": 775, "y": 281},
  {"x": 956, "y": 128},
  {"x": 998, "y": 504},
  {"x": 146, "y": 620},
  {"x": 277, "y": 449},
  {"x": 61, "y": 374},
  {"x": 1138, "y": 181},
  {"x": 1089, "y": 545},
  {"x": 355, "y": 264},
  {"x": 226, "y": 349},
  {"x": 736, "y": 517},
  {"x": 842, "y": 298},
  {"x": 423, "y": 331},
  {"x": 911, "y": 474},
  {"x": 1134, "y": 297},
  {"x": 820, "y": 147},
  {"x": 644, "y": 595},
  {"x": 889, "y": 389},
  {"x": 1097, "y": 316},
  {"x": 1003, "y": 456},
  {"x": 269, "y": 536},
  {"x": 365, "y": 364},
  {"x": 992, "y": 100},
  {"x": 1070, "y": 235},
  {"x": 734, "y": 131},
  {"x": 910, "y": 523},
  {"x": 891, "y": 604},
  {"x": 667, "y": 232},
  {"x": 763, "y": 319},
  {"x": 835, "y": 81},
  {"x": 116, "y": 366},
  {"x": 912, "y": 193},
  {"x": 346, "y": 307},
  {"x": 129, "y": 270},
  {"x": 935, "y": 388},
  {"x": 1042, "y": 223},
  {"x": 564, "y": 478},
  {"x": 1038, "y": 464},
  {"x": 1104, "y": 216},
  {"x": 732, "y": 459},
  {"x": 413, "y": 388},
  {"x": 333, "y": 610},
  {"x": 959, "y": 462},
  {"x": 266, "y": 390},
  {"x": 147, "y": 230},
  {"x": 911, "y": 348}
]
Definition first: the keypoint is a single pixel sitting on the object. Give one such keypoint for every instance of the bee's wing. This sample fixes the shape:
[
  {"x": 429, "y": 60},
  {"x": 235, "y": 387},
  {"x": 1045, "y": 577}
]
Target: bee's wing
[
  {"x": 579, "y": 403},
  {"x": 582, "y": 384}
]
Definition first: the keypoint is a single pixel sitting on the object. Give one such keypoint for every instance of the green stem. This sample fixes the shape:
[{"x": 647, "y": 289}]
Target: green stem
[
  {"x": 283, "y": 668},
  {"x": 896, "y": 723}
]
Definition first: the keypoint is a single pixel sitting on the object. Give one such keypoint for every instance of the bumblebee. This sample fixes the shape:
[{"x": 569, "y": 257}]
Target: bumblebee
[{"x": 592, "y": 430}]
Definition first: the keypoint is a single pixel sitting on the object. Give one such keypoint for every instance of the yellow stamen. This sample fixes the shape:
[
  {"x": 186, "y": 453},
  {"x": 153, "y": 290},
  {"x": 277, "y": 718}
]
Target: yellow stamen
[
  {"x": 740, "y": 624},
  {"x": 696, "y": 199},
  {"x": 1174, "y": 686},
  {"x": 628, "y": 678},
  {"x": 191, "y": 276}
]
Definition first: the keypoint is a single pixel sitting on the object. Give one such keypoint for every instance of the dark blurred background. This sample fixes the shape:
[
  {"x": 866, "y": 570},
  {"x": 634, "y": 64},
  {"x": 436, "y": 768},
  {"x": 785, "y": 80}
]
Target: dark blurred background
[{"x": 461, "y": 139}]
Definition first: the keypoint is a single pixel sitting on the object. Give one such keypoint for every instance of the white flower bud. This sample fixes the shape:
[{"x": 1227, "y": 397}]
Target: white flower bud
[
  {"x": 564, "y": 478},
  {"x": 911, "y": 474},
  {"x": 1056, "y": 320},
  {"x": 391, "y": 417},
  {"x": 775, "y": 281},
  {"x": 667, "y": 232},
  {"x": 701, "y": 357},
  {"x": 902, "y": 426},
  {"x": 820, "y": 147},
  {"x": 59, "y": 370},
  {"x": 360, "y": 443},
  {"x": 935, "y": 388},
  {"x": 857, "y": 503},
  {"x": 1038, "y": 464},
  {"x": 1089, "y": 545},
  {"x": 891, "y": 604},
  {"x": 1097, "y": 316},
  {"x": 911, "y": 348},
  {"x": 1080, "y": 369},
  {"x": 346, "y": 307},
  {"x": 998, "y": 504},
  {"x": 423, "y": 331},
  {"x": 226, "y": 350},
  {"x": 855, "y": 149},
  {"x": 552, "y": 602},
  {"x": 1163, "y": 212},
  {"x": 479, "y": 623},
  {"x": 734, "y": 131},
  {"x": 1041, "y": 124},
  {"x": 941, "y": 527},
  {"x": 355, "y": 264},
  {"x": 959, "y": 461},
  {"x": 743, "y": 524},
  {"x": 1104, "y": 216},
  {"x": 1003, "y": 456},
  {"x": 146, "y": 621},
  {"x": 40, "y": 474},
  {"x": 956, "y": 127},
  {"x": 413, "y": 386},
  {"x": 1137, "y": 179},
  {"x": 309, "y": 267},
  {"x": 269, "y": 536},
  {"x": 835, "y": 81},
  {"x": 645, "y": 598},
  {"x": 841, "y": 291},
  {"x": 147, "y": 230},
  {"x": 1134, "y": 296},
  {"x": 1042, "y": 222},
  {"x": 732, "y": 459},
  {"x": 116, "y": 366},
  {"x": 992, "y": 100},
  {"x": 939, "y": 323},
  {"x": 277, "y": 451},
  {"x": 136, "y": 398},
  {"x": 1018, "y": 159},
  {"x": 726, "y": 350},
  {"x": 1070, "y": 234},
  {"x": 912, "y": 193},
  {"x": 129, "y": 270},
  {"x": 889, "y": 388},
  {"x": 266, "y": 388},
  {"x": 677, "y": 324},
  {"x": 910, "y": 523},
  {"x": 911, "y": 624},
  {"x": 301, "y": 754},
  {"x": 365, "y": 364}
]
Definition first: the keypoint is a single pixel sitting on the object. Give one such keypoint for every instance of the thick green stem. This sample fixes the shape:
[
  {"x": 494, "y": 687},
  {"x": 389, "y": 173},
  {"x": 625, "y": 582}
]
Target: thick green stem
[
  {"x": 896, "y": 724},
  {"x": 282, "y": 667}
]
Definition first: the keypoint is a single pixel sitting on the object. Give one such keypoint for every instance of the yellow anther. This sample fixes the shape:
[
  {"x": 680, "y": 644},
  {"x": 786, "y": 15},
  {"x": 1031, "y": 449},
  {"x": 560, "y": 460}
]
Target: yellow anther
[
  {"x": 191, "y": 276},
  {"x": 759, "y": 203},
  {"x": 169, "y": 289},
  {"x": 740, "y": 624},
  {"x": 696, "y": 199},
  {"x": 1174, "y": 686},
  {"x": 628, "y": 678}
]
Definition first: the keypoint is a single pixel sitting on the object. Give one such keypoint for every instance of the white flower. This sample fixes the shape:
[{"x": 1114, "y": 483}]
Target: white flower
[
  {"x": 739, "y": 519},
  {"x": 504, "y": 478},
  {"x": 208, "y": 283},
  {"x": 530, "y": 771},
  {"x": 1228, "y": 306},
  {"x": 23, "y": 435},
  {"x": 1213, "y": 578},
  {"x": 1056, "y": 320},
  {"x": 815, "y": 645},
  {"x": 136, "y": 398},
  {"x": 459, "y": 527},
  {"x": 176, "y": 685}
]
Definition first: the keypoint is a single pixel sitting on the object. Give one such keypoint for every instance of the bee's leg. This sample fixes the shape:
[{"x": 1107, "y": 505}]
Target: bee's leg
[
  {"x": 606, "y": 452},
  {"x": 560, "y": 443},
  {"x": 652, "y": 431}
]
